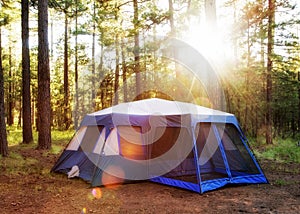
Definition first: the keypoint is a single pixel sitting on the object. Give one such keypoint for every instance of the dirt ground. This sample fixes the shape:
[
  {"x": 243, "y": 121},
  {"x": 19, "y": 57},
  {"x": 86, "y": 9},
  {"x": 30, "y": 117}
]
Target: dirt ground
[{"x": 32, "y": 189}]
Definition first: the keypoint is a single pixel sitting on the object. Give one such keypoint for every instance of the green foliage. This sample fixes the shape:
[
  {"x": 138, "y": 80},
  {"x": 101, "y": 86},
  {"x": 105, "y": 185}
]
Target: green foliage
[
  {"x": 285, "y": 151},
  {"x": 16, "y": 164},
  {"x": 69, "y": 7},
  {"x": 60, "y": 138},
  {"x": 14, "y": 136},
  {"x": 281, "y": 182},
  {"x": 247, "y": 86}
]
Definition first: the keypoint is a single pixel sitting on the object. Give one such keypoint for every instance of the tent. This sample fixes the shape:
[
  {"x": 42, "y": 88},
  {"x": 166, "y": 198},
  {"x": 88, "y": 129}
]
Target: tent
[{"x": 168, "y": 142}]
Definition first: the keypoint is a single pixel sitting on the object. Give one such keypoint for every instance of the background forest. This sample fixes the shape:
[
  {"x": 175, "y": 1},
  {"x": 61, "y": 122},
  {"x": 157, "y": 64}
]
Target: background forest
[{"x": 94, "y": 54}]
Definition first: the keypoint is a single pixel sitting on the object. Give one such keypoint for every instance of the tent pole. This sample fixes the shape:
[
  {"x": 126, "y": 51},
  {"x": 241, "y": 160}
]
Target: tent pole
[
  {"x": 196, "y": 160},
  {"x": 222, "y": 150}
]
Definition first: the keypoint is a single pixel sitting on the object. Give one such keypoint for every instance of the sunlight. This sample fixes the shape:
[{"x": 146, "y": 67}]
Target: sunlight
[{"x": 214, "y": 44}]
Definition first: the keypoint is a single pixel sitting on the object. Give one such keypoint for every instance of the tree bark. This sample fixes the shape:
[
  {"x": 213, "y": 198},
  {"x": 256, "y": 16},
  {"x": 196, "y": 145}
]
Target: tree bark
[
  {"x": 171, "y": 19},
  {"x": 101, "y": 71},
  {"x": 173, "y": 34},
  {"x": 66, "y": 77},
  {"x": 271, "y": 21},
  {"x": 10, "y": 116},
  {"x": 44, "y": 108},
  {"x": 136, "y": 48},
  {"x": 117, "y": 67},
  {"x": 117, "y": 71},
  {"x": 3, "y": 134},
  {"x": 298, "y": 101},
  {"x": 76, "y": 71},
  {"x": 124, "y": 71},
  {"x": 93, "y": 58},
  {"x": 26, "y": 95}
]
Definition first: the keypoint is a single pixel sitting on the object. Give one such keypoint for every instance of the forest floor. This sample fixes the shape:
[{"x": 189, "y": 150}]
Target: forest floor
[{"x": 27, "y": 186}]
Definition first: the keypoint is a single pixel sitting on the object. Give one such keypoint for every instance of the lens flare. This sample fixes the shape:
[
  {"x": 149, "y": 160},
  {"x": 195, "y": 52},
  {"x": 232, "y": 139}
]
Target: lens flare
[
  {"x": 112, "y": 177},
  {"x": 83, "y": 211},
  {"x": 97, "y": 193}
]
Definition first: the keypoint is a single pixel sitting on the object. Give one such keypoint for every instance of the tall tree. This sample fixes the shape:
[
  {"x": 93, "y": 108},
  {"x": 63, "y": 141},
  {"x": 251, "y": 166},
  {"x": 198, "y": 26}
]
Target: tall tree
[
  {"x": 117, "y": 70},
  {"x": 26, "y": 95},
  {"x": 136, "y": 50},
  {"x": 4, "y": 19},
  {"x": 93, "y": 56},
  {"x": 210, "y": 14},
  {"x": 270, "y": 50},
  {"x": 171, "y": 18},
  {"x": 44, "y": 108},
  {"x": 10, "y": 99},
  {"x": 66, "y": 6},
  {"x": 299, "y": 100},
  {"x": 66, "y": 74},
  {"x": 124, "y": 71},
  {"x": 76, "y": 68},
  {"x": 79, "y": 9},
  {"x": 3, "y": 135}
]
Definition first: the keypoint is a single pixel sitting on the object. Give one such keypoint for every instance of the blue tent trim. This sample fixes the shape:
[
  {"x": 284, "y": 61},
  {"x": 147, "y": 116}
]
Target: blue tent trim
[
  {"x": 176, "y": 183},
  {"x": 70, "y": 158}
]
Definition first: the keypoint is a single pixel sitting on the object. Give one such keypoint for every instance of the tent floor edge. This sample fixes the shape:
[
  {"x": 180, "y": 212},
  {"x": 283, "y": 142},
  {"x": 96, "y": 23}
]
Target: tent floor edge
[{"x": 176, "y": 183}]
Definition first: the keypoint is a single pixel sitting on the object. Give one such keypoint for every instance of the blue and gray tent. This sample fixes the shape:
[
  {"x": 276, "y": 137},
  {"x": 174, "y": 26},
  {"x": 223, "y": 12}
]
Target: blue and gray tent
[{"x": 168, "y": 142}]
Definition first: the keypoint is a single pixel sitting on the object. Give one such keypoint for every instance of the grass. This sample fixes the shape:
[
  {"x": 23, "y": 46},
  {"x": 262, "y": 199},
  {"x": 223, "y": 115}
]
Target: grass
[
  {"x": 59, "y": 138},
  {"x": 18, "y": 164},
  {"x": 282, "y": 150}
]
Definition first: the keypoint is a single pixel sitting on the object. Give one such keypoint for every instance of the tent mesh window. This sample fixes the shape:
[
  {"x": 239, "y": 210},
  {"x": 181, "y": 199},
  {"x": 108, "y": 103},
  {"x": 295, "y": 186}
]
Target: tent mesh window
[
  {"x": 177, "y": 143},
  {"x": 90, "y": 138},
  {"x": 239, "y": 159},
  {"x": 210, "y": 158}
]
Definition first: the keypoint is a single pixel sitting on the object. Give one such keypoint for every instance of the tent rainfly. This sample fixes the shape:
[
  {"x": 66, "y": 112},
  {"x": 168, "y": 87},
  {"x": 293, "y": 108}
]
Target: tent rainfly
[{"x": 168, "y": 142}]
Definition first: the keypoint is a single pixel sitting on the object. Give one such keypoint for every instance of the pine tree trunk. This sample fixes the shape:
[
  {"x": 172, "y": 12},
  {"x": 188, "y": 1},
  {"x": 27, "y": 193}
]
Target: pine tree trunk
[
  {"x": 101, "y": 72},
  {"x": 298, "y": 101},
  {"x": 117, "y": 71},
  {"x": 66, "y": 77},
  {"x": 271, "y": 21},
  {"x": 245, "y": 127},
  {"x": 76, "y": 113},
  {"x": 93, "y": 58},
  {"x": 173, "y": 34},
  {"x": 44, "y": 108},
  {"x": 3, "y": 135},
  {"x": 10, "y": 116},
  {"x": 137, "y": 48},
  {"x": 26, "y": 95},
  {"x": 124, "y": 72},
  {"x": 171, "y": 18}
]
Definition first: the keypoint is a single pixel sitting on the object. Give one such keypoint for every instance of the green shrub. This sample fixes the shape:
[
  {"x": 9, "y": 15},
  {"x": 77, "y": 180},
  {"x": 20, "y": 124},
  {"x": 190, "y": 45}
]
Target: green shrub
[{"x": 282, "y": 150}]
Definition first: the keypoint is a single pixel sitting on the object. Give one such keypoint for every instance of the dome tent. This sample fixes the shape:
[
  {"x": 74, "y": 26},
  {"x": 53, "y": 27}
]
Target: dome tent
[{"x": 169, "y": 142}]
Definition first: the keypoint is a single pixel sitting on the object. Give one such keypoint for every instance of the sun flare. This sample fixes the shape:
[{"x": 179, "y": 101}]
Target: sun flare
[{"x": 213, "y": 44}]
